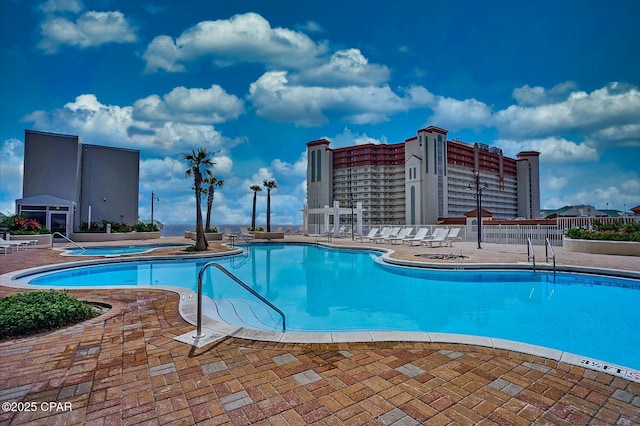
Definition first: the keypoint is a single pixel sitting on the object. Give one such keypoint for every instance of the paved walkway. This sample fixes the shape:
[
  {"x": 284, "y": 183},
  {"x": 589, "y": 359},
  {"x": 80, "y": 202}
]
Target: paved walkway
[{"x": 125, "y": 368}]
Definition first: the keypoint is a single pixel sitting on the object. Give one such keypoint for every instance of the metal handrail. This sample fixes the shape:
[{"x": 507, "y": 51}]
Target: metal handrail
[
  {"x": 68, "y": 239},
  {"x": 548, "y": 247},
  {"x": 531, "y": 255},
  {"x": 238, "y": 281}
]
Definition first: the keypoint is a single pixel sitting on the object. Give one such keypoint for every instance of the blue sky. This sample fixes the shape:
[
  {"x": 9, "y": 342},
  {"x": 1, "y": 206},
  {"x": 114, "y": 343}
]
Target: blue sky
[{"x": 253, "y": 81}]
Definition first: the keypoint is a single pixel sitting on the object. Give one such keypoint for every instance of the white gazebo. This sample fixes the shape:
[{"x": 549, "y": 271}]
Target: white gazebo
[{"x": 334, "y": 211}]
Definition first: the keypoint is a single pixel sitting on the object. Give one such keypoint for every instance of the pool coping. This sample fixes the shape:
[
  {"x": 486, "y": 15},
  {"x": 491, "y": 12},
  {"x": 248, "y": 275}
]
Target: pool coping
[{"x": 214, "y": 330}]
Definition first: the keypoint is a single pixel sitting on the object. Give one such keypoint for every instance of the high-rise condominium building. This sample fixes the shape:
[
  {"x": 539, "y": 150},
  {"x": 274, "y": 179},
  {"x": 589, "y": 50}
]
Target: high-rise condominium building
[{"x": 421, "y": 180}]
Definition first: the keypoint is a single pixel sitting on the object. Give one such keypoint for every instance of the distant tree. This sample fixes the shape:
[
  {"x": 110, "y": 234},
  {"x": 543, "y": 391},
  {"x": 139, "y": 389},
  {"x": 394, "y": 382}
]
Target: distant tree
[
  {"x": 255, "y": 189},
  {"x": 213, "y": 182},
  {"x": 200, "y": 165},
  {"x": 269, "y": 184}
]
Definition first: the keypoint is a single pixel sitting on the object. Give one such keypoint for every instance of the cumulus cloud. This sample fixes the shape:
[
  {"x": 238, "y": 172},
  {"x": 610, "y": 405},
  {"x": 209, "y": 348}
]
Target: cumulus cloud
[
  {"x": 195, "y": 105},
  {"x": 454, "y": 114},
  {"x": 89, "y": 30},
  {"x": 276, "y": 99},
  {"x": 345, "y": 67},
  {"x": 538, "y": 95},
  {"x": 615, "y": 196},
  {"x": 613, "y": 105},
  {"x": 556, "y": 182},
  {"x": 11, "y": 154},
  {"x": 246, "y": 37},
  {"x": 349, "y": 138},
  {"x": 115, "y": 125},
  {"x": 56, "y": 6},
  {"x": 552, "y": 150}
]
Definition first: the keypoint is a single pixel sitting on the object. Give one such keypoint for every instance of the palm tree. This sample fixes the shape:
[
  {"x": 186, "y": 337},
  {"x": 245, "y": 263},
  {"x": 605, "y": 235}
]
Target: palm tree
[
  {"x": 255, "y": 189},
  {"x": 199, "y": 163},
  {"x": 269, "y": 184},
  {"x": 212, "y": 181}
]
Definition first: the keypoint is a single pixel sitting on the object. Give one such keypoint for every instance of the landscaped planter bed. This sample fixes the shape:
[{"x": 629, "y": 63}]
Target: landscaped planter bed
[
  {"x": 621, "y": 248},
  {"x": 268, "y": 235},
  {"x": 210, "y": 236},
  {"x": 90, "y": 237}
]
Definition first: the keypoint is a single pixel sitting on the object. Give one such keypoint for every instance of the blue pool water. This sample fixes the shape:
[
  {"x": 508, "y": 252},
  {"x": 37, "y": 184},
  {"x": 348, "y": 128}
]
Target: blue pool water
[
  {"x": 341, "y": 290},
  {"x": 115, "y": 250}
]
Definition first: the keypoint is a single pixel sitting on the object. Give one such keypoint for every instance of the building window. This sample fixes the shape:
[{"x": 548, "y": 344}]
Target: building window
[
  {"x": 313, "y": 166},
  {"x": 413, "y": 205},
  {"x": 319, "y": 166}
]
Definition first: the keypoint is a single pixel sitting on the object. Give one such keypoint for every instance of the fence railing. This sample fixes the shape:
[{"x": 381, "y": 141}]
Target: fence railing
[
  {"x": 565, "y": 223},
  {"x": 505, "y": 234}
]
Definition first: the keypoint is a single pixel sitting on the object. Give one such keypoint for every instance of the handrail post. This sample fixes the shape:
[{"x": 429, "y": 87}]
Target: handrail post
[
  {"x": 553, "y": 253},
  {"x": 531, "y": 254},
  {"x": 68, "y": 239}
]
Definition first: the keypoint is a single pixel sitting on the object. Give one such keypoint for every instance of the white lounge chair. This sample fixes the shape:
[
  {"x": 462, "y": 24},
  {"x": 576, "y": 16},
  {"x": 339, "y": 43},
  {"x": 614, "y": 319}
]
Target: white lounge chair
[
  {"x": 6, "y": 248},
  {"x": 16, "y": 244},
  {"x": 244, "y": 233},
  {"x": 453, "y": 236},
  {"x": 372, "y": 233},
  {"x": 384, "y": 234},
  {"x": 418, "y": 238},
  {"x": 439, "y": 236},
  {"x": 401, "y": 235}
]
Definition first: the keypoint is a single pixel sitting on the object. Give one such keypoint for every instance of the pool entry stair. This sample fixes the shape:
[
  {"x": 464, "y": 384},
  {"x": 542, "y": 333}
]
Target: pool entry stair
[{"x": 235, "y": 307}]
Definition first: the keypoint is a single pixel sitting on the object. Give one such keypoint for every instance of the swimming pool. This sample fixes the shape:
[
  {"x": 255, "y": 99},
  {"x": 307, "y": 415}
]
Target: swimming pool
[
  {"x": 323, "y": 289},
  {"x": 114, "y": 250}
]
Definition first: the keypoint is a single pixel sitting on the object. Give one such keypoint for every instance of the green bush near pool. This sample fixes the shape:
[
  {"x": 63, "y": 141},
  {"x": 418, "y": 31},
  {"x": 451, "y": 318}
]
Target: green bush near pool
[{"x": 29, "y": 313}]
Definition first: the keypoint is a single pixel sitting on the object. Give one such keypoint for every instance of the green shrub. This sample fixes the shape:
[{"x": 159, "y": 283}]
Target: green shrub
[
  {"x": 20, "y": 225},
  {"x": 615, "y": 231},
  {"x": 33, "y": 312}
]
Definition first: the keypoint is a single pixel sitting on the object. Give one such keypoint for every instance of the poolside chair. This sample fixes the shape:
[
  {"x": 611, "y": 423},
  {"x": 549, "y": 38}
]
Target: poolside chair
[
  {"x": 244, "y": 234},
  {"x": 300, "y": 230},
  {"x": 288, "y": 230},
  {"x": 418, "y": 238},
  {"x": 386, "y": 233},
  {"x": 279, "y": 229},
  {"x": 372, "y": 233},
  {"x": 453, "y": 236},
  {"x": 16, "y": 244},
  {"x": 439, "y": 236},
  {"x": 6, "y": 248},
  {"x": 401, "y": 235}
]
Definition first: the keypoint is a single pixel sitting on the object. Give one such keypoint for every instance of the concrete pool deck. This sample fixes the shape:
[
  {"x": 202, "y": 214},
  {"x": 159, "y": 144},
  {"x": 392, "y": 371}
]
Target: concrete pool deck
[{"x": 126, "y": 368}]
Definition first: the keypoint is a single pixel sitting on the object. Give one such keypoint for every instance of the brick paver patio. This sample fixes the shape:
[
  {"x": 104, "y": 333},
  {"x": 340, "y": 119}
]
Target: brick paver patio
[{"x": 125, "y": 368}]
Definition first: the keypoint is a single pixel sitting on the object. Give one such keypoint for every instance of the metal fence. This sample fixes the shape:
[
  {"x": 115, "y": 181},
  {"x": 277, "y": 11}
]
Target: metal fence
[{"x": 503, "y": 234}]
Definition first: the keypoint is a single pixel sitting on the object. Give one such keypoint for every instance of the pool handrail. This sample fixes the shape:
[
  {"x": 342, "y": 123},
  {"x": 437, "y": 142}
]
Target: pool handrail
[
  {"x": 68, "y": 239},
  {"x": 531, "y": 254},
  {"x": 548, "y": 248},
  {"x": 238, "y": 281}
]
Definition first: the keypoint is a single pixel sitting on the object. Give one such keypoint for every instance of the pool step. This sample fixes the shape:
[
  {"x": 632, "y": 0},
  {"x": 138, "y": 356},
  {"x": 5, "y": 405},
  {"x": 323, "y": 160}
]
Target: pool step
[{"x": 242, "y": 313}]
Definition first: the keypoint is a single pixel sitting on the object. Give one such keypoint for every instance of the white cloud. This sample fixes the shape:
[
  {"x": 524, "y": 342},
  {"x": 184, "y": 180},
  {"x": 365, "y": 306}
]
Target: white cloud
[
  {"x": 89, "y": 30},
  {"x": 345, "y": 67},
  {"x": 310, "y": 27},
  {"x": 627, "y": 135},
  {"x": 246, "y": 37},
  {"x": 11, "y": 155},
  {"x": 538, "y": 95},
  {"x": 203, "y": 106},
  {"x": 583, "y": 113},
  {"x": 53, "y": 6},
  {"x": 556, "y": 182},
  {"x": 615, "y": 196},
  {"x": 276, "y": 99},
  {"x": 552, "y": 150},
  {"x": 349, "y": 138},
  {"x": 453, "y": 114},
  {"x": 114, "y": 125}
]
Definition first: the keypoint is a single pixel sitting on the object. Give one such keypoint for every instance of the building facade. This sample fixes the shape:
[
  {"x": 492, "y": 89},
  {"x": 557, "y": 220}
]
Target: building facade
[
  {"x": 422, "y": 180},
  {"x": 67, "y": 182}
]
